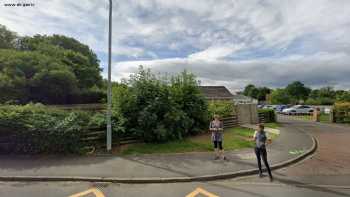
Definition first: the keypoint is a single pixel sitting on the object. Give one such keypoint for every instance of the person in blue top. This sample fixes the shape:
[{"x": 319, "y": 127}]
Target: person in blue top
[
  {"x": 217, "y": 128},
  {"x": 261, "y": 139}
]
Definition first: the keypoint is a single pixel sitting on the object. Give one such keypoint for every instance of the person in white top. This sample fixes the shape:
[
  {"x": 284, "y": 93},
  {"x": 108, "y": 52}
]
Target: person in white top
[{"x": 261, "y": 138}]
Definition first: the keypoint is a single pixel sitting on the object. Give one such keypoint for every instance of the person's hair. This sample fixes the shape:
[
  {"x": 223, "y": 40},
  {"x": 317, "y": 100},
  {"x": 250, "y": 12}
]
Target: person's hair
[
  {"x": 216, "y": 116},
  {"x": 261, "y": 126}
]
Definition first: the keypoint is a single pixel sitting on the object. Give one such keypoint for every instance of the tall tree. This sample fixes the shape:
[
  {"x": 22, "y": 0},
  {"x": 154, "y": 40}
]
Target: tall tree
[
  {"x": 48, "y": 69},
  {"x": 327, "y": 92},
  {"x": 262, "y": 93},
  {"x": 342, "y": 95},
  {"x": 8, "y": 38},
  {"x": 298, "y": 91},
  {"x": 251, "y": 90},
  {"x": 280, "y": 96},
  {"x": 79, "y": 57}
]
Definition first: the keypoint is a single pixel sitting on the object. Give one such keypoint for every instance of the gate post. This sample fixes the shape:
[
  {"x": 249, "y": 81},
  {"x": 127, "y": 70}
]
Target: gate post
[
  {"x": 316, "y": 115},
  {"x": 247, "y": 114}
]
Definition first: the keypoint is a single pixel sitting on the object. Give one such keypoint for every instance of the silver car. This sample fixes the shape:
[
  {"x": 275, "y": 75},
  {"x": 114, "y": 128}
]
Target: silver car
[{"x": 298, "y": 109}]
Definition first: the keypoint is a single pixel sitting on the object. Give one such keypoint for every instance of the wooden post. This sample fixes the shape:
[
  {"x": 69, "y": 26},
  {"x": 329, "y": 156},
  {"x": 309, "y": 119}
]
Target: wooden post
[
  {"x": 331, "y": 115},
  {"x": 316, "y": 115}
]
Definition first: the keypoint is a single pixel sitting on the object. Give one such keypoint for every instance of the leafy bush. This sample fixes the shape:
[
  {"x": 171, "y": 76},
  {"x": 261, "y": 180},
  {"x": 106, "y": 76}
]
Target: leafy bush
[
  {"x": 342, "y": 112},
  {"x": 320, "y": 101},
  {"x": 34, "y": 128},
  {"x": 159, "y": 110},
  {"x": 221, "y": 108},
  {"x": 93, "y": 95},
  {"x": 268, "y": 114}
]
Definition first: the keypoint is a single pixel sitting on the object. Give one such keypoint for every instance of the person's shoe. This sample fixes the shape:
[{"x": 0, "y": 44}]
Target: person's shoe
[
  {"x": 260, "y": 175},
  {"x": 271, "y": 179},
  {"x": 216, "y": 158},
  {"x": 225, "y": 158}
]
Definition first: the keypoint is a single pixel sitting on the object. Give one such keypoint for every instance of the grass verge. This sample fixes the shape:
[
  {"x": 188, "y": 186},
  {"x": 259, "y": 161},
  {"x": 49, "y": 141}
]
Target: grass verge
[
  {"x": 234, "y": 138},
  {"x": 273, "y": 125}
]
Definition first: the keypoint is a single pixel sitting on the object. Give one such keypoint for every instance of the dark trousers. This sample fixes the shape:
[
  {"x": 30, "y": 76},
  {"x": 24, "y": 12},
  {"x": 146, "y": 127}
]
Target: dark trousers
[
  {"x": 218, "y": 144},
  {"x": 261, "y": 152}
]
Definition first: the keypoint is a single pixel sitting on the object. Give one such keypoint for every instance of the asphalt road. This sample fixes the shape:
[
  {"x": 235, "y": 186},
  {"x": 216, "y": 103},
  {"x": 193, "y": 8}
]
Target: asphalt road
[
  {"x": 327, "y": 173},
  {"x": 223, "y": 188}
]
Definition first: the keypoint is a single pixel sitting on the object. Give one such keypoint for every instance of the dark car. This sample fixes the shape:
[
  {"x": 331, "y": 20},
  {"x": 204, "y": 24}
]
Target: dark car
[{"x": 280, "y": 108}]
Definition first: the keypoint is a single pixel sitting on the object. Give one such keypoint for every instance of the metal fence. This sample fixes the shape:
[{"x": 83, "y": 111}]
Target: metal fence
[{"x": 302, "y": 117}]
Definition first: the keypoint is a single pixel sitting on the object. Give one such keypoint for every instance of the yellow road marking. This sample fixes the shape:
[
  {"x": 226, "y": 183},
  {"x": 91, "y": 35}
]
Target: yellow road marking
[
  {"x": 95, "y": 191},
  {"x": 201, "y": 191}
]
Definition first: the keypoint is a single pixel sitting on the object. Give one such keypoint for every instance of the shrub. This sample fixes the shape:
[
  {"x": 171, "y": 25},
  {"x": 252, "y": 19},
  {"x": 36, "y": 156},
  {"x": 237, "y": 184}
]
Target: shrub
[
  {"x": 159, "y": 110},
  {"x": 34, "y": 128},
  {"x": 93, "y": 95},
  {"x": 342, "y": 112},
  {"x": 268, "y": 114},
  {"x": 221, "y": 108},
  {"x": 188, "y": 98}
]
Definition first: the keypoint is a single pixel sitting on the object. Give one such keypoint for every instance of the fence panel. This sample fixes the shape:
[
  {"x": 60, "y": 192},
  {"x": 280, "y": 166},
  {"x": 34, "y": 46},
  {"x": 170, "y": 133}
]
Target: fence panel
[
  {"x": 97, "y": 138},
  {"x": 230, "y": 121}
]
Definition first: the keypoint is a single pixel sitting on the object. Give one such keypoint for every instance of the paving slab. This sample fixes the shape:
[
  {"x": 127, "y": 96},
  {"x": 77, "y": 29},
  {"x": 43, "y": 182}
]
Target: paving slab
[{"x": 155, "y": 166}]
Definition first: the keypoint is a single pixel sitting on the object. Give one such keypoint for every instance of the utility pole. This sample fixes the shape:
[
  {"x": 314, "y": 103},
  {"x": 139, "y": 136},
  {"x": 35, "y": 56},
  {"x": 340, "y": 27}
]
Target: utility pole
[{"x": 109, "y": 90}]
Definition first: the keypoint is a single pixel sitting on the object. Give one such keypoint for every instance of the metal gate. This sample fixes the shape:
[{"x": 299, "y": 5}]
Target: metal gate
[{"x": 300, "y": 117}]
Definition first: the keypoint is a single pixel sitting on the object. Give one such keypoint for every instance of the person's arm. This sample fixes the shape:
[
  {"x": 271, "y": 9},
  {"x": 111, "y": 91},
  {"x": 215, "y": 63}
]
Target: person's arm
[
  {"x": 254, "y": 136},
  {"x": 269, "y": 140},
  {"x": 211, "y": 127},
  {"x": 221, "y": 126}
]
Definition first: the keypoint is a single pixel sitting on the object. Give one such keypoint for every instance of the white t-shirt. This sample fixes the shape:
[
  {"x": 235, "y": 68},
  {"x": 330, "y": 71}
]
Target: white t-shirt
[{"x": 260, "y": 140}]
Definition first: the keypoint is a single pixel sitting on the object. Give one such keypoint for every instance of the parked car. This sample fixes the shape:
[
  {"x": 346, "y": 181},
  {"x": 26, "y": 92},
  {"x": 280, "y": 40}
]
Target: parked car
[
  {"x": 298, "y": 109},
  {"x": 269, "y": 107},
  {"x": 280, "y": 108},
  {"x": 260, "y": 106}
]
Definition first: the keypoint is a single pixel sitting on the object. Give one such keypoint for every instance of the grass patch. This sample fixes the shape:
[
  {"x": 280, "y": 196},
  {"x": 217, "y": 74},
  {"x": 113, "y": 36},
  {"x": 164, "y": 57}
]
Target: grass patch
[
  {"x": 273, "y": 125},
  {"x": 234, "y": 138},
  {"x": 325, "y": 117}
]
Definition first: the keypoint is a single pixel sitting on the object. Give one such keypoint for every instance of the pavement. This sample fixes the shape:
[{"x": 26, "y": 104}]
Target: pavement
[
  {"x": 323, "y": 174},
  {"x": 156, "y": 168}
]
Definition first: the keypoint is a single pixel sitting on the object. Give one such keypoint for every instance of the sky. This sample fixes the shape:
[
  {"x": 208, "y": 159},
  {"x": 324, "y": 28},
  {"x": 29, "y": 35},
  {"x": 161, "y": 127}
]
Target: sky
[{"x": 223, "y": 42}]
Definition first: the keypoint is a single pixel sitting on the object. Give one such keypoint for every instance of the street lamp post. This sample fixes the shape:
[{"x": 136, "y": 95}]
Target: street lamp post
[{"x": 109, "y": 90}]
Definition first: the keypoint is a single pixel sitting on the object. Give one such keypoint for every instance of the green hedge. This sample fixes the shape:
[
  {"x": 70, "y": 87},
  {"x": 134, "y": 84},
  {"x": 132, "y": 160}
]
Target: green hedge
[
  {"x": 269, "y": 115},
  {"x": 34, "y": 128},
  {"x": 342, "y": 112}
]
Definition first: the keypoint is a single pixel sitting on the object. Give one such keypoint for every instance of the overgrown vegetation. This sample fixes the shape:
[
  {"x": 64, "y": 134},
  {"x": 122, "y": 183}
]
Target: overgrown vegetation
[
  {"x": 159, "y": 109},
  {"x": 342, "y": 112},
  {"x": 35, "y": 128},
  {"x": 221, "y": 108}
]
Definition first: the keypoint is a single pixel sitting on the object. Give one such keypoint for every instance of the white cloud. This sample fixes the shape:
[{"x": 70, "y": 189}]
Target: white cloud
[
  {"x": 315, "y": 70},
  {"x": 232, "y": 42},
  {"x": 216, "y": 52}
]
